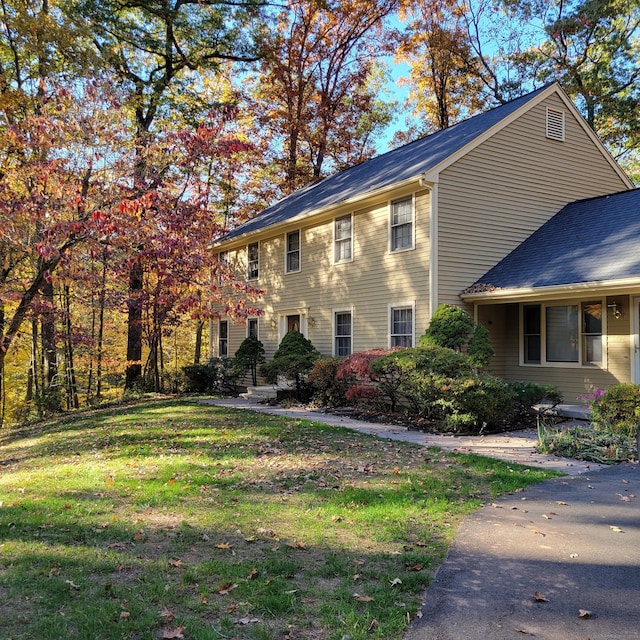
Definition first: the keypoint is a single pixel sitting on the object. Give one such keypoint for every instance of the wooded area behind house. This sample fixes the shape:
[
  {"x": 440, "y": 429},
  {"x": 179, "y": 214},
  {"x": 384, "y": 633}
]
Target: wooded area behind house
[{"x": 134, "y": 135}]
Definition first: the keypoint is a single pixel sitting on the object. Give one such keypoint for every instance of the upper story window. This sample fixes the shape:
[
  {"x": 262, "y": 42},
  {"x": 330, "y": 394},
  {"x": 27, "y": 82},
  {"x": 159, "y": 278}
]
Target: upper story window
[
  {"x": 401, "y": 326},
  {"x": 563, "y": 333},
  {"x": 343, "y": 239},
  {"x": 253, "y": 261},
  {"x": 292, "y": 261},
  {"x": 401, "y": 225}
]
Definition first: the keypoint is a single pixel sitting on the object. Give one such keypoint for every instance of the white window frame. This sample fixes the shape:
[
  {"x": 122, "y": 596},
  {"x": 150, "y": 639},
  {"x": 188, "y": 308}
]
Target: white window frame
[
  {"x": 334, "y": 313},
  {"x": 581, "y": 363},
  {"x": 249, "y": 322},
  {"x": 287, "y": 252},
  {"x": 220, "y": 338},
  {"x": 256, "y": 261},
  {"x": 399, "y": 306},
  {"x": 337, "y": 242},
  {"x": 393, "y": 226}
]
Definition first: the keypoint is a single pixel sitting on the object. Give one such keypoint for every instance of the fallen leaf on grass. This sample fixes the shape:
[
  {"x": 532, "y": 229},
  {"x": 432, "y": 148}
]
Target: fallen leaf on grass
[
  {"x": 562, "y": 502},
  {"x": 583, "y": 613},
  {"x": 414, "y": 567},
  {"x": 223, "y": 545},
  {"x": 226, "y": 588},
  {"x": 395, "y": 581},
  {"x": 124, "y": 615},
  {"x": 538, "y": 597},
  {"x": 373, "y": 626},
  {"x": 167, "y": 615},
  {"x": 247, "y": 621},
  {"x": 176, "y": 632},
  {"x": 72, "y": 585},
  {"x": 176, "y": 563},
  {"x": 360, "y": 598},
  {"x": 253, "y": 575},
  {"x": 296, "y": 545}
]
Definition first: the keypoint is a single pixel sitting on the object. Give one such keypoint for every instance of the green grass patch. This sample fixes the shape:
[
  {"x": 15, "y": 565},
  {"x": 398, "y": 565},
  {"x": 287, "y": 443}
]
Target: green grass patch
[{"x": 177, "y": 517}]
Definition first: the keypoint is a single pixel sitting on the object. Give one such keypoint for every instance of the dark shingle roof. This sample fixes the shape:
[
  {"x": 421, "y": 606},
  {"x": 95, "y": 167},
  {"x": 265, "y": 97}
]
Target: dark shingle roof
[
  {"x": 594, "y": 240},
  {"x": 391, "y": 168}
]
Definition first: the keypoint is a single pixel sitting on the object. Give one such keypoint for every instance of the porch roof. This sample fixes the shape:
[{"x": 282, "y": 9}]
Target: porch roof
[{"x": 594, "y": 241}]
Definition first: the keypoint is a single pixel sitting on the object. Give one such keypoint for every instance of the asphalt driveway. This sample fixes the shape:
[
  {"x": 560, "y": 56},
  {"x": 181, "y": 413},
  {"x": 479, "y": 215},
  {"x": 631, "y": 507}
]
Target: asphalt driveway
[{"x": 558, "y": 561}]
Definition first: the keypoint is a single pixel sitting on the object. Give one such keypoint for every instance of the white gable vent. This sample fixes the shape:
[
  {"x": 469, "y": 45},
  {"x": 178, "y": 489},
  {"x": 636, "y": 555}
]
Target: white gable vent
[{"x": 555, "y": 124}]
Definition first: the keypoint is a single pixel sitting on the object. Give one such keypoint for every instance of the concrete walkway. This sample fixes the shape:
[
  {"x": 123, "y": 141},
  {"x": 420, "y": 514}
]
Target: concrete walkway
[
  {"x": 515, "y": 446},
  {"x": 558, "y": 561}
]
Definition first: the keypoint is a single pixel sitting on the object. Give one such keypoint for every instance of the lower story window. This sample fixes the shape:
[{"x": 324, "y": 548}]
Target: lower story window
[
  {"x": 342, "y": 338},
  {"x": 252, "y": 328},
  {"x": 569, "y": 333},
  {"x": 401, "y": 327},
  {"x": 223, "y": 338}
]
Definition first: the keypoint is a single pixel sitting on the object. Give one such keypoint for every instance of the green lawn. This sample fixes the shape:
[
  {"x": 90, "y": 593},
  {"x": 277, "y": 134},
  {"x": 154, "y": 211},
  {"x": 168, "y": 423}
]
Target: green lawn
[{"x": 176, "y": 519}]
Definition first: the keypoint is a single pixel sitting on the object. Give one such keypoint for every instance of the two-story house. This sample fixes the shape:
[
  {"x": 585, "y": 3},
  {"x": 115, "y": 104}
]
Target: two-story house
[{"x": 363, "y": 258}]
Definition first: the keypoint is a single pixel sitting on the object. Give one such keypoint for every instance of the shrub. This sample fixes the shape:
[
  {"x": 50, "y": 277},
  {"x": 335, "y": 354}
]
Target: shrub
[
  {"x": 365, "y": 383},
  {"x": 328, "y": 389},
  {"x": 217, "y": 376},
  {"x": 450, "y": 327},
  {"x": 584, "y": 443},
  {"x": 529, "y": 394},
  {"x": 293, "y": 359},
  {"x": 618, "y": 409},
  {"x": 248, "y": 357},
  {"x": 453, "y": 328}
]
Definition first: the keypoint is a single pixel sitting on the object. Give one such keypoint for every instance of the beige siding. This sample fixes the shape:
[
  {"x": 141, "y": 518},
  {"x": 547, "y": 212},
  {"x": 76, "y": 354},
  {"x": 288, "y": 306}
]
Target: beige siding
[
  {"x": 368, "y": 285},
  {"x": 498, "y": 194},
  {"x": 572, "y": 381}
]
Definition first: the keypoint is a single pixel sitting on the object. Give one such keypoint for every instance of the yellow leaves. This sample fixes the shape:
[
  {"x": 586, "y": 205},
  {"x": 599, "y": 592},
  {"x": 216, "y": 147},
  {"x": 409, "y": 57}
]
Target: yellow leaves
[{"x": 223, "y": 545}]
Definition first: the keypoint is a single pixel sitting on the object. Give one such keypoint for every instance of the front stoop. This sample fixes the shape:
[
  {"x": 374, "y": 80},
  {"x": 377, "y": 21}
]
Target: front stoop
[
  {"x": 571, "y": 411},
  {"x": 261, "y": 393}
]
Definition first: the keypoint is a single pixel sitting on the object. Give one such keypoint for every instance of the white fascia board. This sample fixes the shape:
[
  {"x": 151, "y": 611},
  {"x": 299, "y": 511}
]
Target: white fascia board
[
  {"x": 326, "y": 211},
  {"x": 608, "y": 287}
]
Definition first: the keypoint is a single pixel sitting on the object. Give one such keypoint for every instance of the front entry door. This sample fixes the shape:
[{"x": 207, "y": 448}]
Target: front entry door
[{"x": 293, "y": 323}]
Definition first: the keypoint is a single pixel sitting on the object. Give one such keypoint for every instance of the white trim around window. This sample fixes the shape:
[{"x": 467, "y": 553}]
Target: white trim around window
[
  {"x": 343, "y": 239},
  {"x": 342, "y": 322},
  {"x": 292, "y": 251},
  {"x": 223, "y": 338},
  {"x": 402, "y": 224},
  {"x": 253, "y": 261},
  {"x": 564, "y": 333},
  {"x": 402, "y": 322},
  {"x": 253, "y": 328}
]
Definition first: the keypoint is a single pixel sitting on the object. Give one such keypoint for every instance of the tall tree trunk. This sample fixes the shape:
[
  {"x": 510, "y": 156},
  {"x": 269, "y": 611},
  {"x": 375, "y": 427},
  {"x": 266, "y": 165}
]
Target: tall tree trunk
[
  {"x": 72, "y": 388},
  {"x": 134, "y": 327},
  {"x": 48, "y": 334},
  {"x": 198, "y": 349},
  {"x": 103, "y": 290}
]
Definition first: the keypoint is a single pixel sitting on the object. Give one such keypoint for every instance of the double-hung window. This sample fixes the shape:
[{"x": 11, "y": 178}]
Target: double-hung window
[
  {"x": 292, "y": 261},
  {"x": 223, "y": 338},
  {"x": 343, "y": 239},
  {"x": 563, "y": 333},
  {"x": 342, "y": 333},
  {"x": 252, "y": 328},
  {"x": 253, "y": 261},
  {"x": 401, "y": 225},
  {"x": 401, "y": 325}
]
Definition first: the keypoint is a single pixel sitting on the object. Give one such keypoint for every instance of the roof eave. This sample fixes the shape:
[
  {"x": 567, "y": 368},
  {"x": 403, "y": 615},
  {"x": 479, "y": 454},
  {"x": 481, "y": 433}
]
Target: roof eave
[
  {"x": 523, "y": 294},
  {"x": 327, "y": 210}
]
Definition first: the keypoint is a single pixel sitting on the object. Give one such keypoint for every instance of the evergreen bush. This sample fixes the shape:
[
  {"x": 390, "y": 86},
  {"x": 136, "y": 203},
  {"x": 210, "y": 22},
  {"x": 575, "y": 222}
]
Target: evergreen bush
[{"x": 248, "y": 358}]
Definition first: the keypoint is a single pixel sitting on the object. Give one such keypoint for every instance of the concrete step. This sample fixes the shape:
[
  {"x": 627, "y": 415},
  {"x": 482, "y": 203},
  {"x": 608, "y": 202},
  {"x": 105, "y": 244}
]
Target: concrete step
[{"x": 573, "y": 411}]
